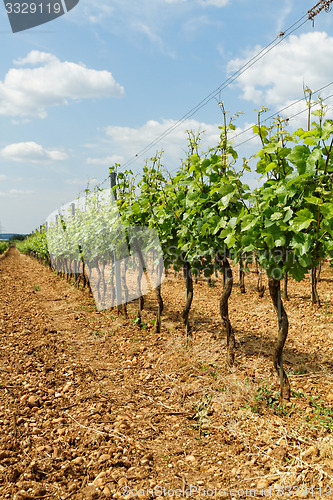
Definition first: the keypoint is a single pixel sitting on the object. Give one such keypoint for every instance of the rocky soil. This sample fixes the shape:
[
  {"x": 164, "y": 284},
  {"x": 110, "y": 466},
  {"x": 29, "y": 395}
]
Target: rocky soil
[{"x": 93, "y": 406}]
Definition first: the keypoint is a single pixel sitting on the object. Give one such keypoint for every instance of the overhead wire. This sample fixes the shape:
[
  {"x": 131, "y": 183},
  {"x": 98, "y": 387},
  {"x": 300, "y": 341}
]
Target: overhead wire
[
  {"x": 282, "y": 110},
  {"x": 287, "y": 118},
  {"x": 257, "y": 57}
]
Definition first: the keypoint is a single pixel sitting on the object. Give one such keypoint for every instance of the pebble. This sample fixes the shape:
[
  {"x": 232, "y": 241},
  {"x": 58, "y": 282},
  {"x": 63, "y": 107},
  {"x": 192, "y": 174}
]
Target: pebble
[
  {"x": 107, "y": 492},
  {"x": 122, "y": 482},
  {"x": 262, "y": 484},
  {"x": 33, "y": 402}
]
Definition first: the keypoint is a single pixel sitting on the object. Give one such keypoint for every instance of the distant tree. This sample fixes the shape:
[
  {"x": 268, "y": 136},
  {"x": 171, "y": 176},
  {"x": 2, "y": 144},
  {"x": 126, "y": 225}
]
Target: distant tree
[{"x": 17, "y": 237}]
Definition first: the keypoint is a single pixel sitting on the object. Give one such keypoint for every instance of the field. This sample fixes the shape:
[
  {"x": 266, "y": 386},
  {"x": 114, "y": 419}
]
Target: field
[{"x": 93, "y": 406}]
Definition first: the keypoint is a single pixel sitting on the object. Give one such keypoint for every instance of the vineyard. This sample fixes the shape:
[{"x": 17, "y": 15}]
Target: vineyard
[
  {"x": 3, "y": 246},
  {"x": 185, "y": 387},
  {"x": 201, "y": 219}
]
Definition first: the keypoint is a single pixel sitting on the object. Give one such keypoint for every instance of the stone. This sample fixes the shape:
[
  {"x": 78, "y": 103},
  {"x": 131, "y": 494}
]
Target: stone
[{"x": 33, "y": 402}]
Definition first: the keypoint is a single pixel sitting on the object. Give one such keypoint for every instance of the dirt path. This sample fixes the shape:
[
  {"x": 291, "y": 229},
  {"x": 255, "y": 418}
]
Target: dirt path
[{"x": 92, "y": 406}]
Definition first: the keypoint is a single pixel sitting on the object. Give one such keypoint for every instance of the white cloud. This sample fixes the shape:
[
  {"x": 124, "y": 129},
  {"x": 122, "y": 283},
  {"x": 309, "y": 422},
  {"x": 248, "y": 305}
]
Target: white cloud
[
  {"x": 29, "y": 91},
  {"x": 215, "y": 3},
  {"x": 15, "y": 192},
  {"x": 75, "y": 182},
  {"x": 282, "y": 17},
  {"x": 3, "y": 177},
  {"x": 101, "y": 12},
  {"x": 277, "y": 79},
  {"x": 153, "y": 37},
  {"x": 129, "y": 142},
  {"x": 35, "y": 57},
  {"x": 194, "y": 25},
  {"x": 107, "y": 160},
  {"x": 31, "y": 152}
]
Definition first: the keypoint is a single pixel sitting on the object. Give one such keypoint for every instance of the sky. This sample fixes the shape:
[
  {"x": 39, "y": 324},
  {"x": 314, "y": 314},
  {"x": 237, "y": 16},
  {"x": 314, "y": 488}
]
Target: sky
[{"x": 100, "y": 84}]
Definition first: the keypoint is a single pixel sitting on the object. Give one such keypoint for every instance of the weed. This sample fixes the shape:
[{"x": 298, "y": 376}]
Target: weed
[
  {"x": 211, "y": 370},
  {"x": 297, "y": 394},
  {"x": 326, "y": 307},
  {"x": 202, "y": 415},
  {"x": 97, "y": 333},
  {"x": 301, "y": 371},
  {"x": 264, "y": 397},
  {"x": 36, "y": 288},
  {"x": 137, "y": 321},
  {"x": 323, "y": 415}
]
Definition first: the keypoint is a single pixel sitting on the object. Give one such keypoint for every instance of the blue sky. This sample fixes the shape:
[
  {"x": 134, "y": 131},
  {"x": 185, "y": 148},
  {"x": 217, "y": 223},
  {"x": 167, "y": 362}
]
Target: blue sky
[{"x": 99, "y": 84}]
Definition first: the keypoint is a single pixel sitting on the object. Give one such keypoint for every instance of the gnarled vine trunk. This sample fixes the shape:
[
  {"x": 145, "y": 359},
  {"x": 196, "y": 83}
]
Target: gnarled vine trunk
[
  {"x": 260, "y": 286},
  {"x": 227, "y": 287},
  {"x": 313, "y": 281},
  {"x": 285, "y": 286},
  {"x": 160, "y": 304},
  {"x": 241, "y": 275},
  {"x": 189, "y": 297},
  {"x": 275, "y": 292}
]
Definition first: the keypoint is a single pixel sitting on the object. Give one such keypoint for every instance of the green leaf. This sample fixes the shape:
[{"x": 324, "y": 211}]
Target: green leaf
[
  {"x": 327, "y": 129},
  {"x": 276, "y": 216},
  {"x": 312, "y": 161},
  {"x": 302, "y": 221},
  {"x": 298, "y": 156},
  {"x": 230, "y": 240}
]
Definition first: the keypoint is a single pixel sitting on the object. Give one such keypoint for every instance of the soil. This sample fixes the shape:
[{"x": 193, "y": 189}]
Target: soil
[{"x": 94, "y": 406}]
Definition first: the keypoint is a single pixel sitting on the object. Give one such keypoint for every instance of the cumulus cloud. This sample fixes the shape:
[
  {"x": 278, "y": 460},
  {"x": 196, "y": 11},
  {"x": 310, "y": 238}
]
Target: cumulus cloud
[
  {"x": 129, "y": 142},
  {"x": 107, "y": 160},
  {"x": 31, "y": 152},
  {"x": 133, "y": 143},
  {"x": 277, "y": 79},
  {"x": 28, "y": 91}
]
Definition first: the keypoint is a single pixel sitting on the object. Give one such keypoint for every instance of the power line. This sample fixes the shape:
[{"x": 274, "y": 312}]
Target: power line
[
  {"x": 272, "y": 116},
  {"x": 217, "y": 91},
  {"x": 310, "y": 14},
  {"x": 284, "y": 109}
]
